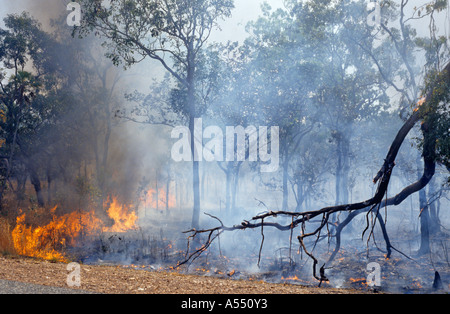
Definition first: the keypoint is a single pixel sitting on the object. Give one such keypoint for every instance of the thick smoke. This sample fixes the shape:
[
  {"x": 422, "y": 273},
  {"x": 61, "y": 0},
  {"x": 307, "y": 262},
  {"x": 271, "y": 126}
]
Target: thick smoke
[
  {"x": 139, "y": 159},
  {"x": 134, "y": 151}
]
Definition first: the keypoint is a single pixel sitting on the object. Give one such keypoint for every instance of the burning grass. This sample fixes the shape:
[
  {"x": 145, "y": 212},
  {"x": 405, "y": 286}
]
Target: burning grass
[
  {"x": 51, "y": 239},
  {"x": 59, "y": 236},
  {"x": 158, "y": 199},
  {"x": 6, "y": 240}
]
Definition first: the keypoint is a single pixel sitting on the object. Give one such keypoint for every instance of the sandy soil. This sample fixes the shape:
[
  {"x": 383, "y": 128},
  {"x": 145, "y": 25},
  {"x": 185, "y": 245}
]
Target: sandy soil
[{"x": 120, "y": 280}]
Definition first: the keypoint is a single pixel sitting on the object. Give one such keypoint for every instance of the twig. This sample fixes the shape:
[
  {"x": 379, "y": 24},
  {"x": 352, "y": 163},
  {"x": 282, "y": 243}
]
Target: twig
[{"x": 262, "y": 242}]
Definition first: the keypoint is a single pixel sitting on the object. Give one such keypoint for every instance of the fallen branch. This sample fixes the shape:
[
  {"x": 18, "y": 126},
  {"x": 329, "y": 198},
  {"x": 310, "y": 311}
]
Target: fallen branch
[{"x": 377, "y": 201}]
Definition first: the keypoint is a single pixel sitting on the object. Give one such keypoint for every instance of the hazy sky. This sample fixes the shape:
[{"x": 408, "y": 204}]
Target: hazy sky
[{"x": 233, "y": 29}]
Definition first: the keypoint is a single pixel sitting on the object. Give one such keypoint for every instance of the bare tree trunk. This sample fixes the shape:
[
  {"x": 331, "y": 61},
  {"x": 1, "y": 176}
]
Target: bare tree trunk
[
  {"x": 300, "y": 198},
  {"x": 169, "y": 179},
  {"x": 235, "y": 185},
  {"x": 157, "y": 192},
  {"x": 228, "y": 190},
  {"x": 342, "y": 169},
  {"x": 34, "y": 178},
  {"x": 424, "y": 224},
  {"x": 49, "y": 187},
  {"x": 382, "y": 178},
  {"x": 435, "y": 224},
  {"x": 191, "y": 101},
  {"x": 285, "y": 203}
]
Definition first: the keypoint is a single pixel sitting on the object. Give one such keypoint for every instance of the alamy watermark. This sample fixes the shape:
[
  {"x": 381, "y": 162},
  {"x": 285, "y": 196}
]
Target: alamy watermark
[
  {"x": 74, "y": 17},
  {"x": 374, "y": 17},
  {"x": 238, "y": 144},
  {"x": 74, "y": 276},
  {"x": 374, "y": 275}
]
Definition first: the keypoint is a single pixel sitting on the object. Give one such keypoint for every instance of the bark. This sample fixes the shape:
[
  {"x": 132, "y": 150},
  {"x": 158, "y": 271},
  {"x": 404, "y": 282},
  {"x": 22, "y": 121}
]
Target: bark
[
  {"x": 234, "y": 188},
  {"x": 156, "y": 192},
  {"x": 424, "y": 224},
  {"x": 195, "y": 178},
  {"x": 434, "y": 204},
  {"x": 169, "y": 179},
  {"x": 34, "y": 178},
  {"x": 288, "y": 148},
  {"x": 191, "y": 102},
  {"x": 231, "y": 171},
  {"x": 21, "y": 179},
  {"x": 49, "y": 187},
  {"x": 228, "y": 189},
  {"x": 285, "y": 204},
  {"x": 342, "y": 169}
]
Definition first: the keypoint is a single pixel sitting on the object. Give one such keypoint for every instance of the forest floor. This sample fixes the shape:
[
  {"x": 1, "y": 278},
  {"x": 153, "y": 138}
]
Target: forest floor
[{"x": 120, "y": 280}]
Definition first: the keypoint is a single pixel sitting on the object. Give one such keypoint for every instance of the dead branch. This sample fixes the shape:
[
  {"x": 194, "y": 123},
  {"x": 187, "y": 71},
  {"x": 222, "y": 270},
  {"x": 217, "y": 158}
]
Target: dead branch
[{"x": 300, "y": 219}]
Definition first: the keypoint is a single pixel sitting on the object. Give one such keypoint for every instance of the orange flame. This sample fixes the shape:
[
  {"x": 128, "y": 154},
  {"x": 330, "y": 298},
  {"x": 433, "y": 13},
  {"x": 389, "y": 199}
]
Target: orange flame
[
  {"x": 290, "y": 278},
  {"x": 420, "y": 103},
  {"x": 158, "y": 199},
  {"x": 360, "y": 281},
  {"x": 124, "y": 217},
  {"x": 49, "y": 241}
]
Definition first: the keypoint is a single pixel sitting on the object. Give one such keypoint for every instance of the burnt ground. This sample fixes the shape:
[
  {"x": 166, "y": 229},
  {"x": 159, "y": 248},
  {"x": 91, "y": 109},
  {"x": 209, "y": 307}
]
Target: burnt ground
[
  {"x": 234, "y": 260},
  {"x": 211, "y": 276},
  {"x": 14, "y": 287},
  {"x": 121, "y": 280},
  {"x": 140, "y": 263}
]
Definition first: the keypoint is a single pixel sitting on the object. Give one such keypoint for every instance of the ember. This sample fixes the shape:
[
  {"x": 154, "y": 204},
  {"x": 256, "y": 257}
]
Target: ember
[
  {"x": 358, "y": 281},
  {"x": 292, "y": 278}
]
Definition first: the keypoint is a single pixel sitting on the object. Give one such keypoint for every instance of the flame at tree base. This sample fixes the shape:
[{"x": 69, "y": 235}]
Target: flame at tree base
[{"x": 51, "y": 240}]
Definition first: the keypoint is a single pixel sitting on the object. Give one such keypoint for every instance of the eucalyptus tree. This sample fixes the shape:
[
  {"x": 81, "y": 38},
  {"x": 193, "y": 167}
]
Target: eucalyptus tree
[
  {"x": 360, "y": 67},
  {"x": 401, "y": 42},
  {"x": 172, "y": 32},
  {"x": 28, "y": 82},
  {"x": 351, "y": 90},
  {"x": 280, "y": 76}
]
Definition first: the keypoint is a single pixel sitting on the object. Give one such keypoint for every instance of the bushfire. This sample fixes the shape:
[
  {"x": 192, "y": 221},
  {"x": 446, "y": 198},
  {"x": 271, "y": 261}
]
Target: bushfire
[
  {"x": 49, "y": 241},
  {"x": 158, "y": 199}
]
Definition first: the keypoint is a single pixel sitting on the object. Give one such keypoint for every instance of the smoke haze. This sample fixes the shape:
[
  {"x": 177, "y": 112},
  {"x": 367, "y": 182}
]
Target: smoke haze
[{"x": 139, "y": 157}]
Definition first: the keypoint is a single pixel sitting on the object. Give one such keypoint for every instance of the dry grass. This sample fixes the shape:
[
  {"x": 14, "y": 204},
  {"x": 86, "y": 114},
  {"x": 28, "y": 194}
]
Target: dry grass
[
  {"x": 119, "y": 280},
  {"x": 6, "y": 241}
]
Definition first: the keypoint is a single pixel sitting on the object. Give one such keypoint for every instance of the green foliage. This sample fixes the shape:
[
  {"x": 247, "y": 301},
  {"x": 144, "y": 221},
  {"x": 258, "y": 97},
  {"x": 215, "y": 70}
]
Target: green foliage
[
  {"x": 30, "y": 100},
  {"x": 142, "y": 28},
  {"x": 436, "y": 115}
]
